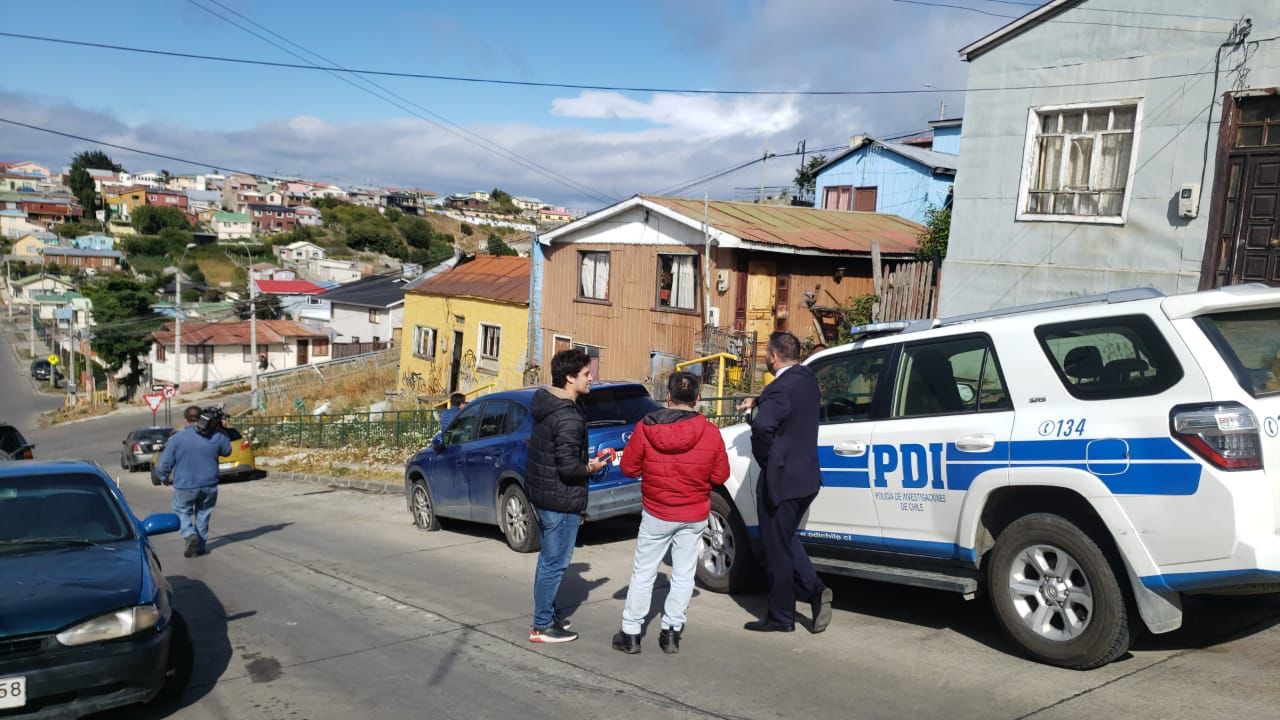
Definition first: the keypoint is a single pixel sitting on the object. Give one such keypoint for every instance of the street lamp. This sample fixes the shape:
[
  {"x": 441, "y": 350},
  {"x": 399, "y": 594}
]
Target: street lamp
[
  {"x": 177, "y": 304},
  {"x": 253, "y": 326}
]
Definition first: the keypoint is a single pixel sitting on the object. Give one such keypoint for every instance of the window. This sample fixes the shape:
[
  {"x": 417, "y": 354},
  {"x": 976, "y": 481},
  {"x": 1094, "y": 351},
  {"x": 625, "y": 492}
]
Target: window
[
  {"x": 160, "y": 353},
  {"x": 951, "y": 376},
  {"x": 864, "y": 199},
  {"x": 593, "y": 275},
  {"x": 424, "y": 342},
  {"x": 373, "y": 316},
  {"x": 592, "y": 352},
  {"x": 246, "y": 353},
  {"x": 624, "y": 405},
  {"x": 847, "y": 384},
  {"x": 463, "y": 426},
  {"x": 837, "y": 197},
  {"x": 199, "y": 354},
  {"x": 1249, "y": 341},
  {"x": 1259, "y": 122},
  {"x": 490, "y": 341},
  {"x": 1113, "y": 357},
  {"x": 493, "y": 421},
  {"x": 516, "y": 418},
  {"x": 678, "y": 282},
  {"x": 320, "y": 347},
  {"x": 1078, "y": 163}
]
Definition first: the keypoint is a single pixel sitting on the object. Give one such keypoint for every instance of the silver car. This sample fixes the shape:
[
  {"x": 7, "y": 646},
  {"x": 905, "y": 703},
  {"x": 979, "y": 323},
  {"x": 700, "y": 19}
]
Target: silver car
[{"x": 137, "y": 448}]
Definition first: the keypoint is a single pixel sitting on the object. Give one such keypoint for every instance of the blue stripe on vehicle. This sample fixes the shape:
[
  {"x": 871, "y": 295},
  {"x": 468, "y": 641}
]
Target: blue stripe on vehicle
[
  {"x": 843, "y": 470},
  {"x": 1183, "y": 582},
  {"x": 925, "y": 548},
  {"x": 1150, "y": 448}
]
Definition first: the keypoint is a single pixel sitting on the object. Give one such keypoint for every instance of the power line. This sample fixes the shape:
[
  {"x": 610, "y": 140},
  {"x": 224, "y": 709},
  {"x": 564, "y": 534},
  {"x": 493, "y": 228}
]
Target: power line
[
  {"x": 1110, "y": 10},
  {"x": 980, "y": 11}
]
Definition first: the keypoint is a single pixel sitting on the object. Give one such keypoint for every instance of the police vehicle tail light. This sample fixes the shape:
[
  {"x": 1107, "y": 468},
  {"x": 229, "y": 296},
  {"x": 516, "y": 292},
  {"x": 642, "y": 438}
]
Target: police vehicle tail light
[{"x": 1225, "y": 434}]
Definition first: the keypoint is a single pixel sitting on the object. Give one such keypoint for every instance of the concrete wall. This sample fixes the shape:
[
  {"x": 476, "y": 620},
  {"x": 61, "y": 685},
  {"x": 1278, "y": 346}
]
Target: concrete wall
[
  {"x": 348, "y": 321},
  {"x": 994, "y": 259}
]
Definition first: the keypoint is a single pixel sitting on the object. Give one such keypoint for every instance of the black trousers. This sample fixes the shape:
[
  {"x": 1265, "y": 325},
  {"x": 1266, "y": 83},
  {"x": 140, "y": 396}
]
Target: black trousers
[{"x": 790, "y": 573}]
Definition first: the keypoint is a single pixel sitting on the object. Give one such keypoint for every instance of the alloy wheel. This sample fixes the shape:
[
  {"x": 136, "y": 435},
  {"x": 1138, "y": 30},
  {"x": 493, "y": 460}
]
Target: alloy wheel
[
  {"x": 717, "y": 551},
  {"x": 1050, "y": 592}
]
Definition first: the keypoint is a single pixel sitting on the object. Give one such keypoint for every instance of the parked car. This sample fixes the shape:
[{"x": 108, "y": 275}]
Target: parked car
[
  {"x": 88, "y": 620},
  {"x": 239, "y": 465},
  {"x": 41, "y": 369},
  {"x": 474, "y": 469},
  {"x": 139, "y": 446},
  {"x": 13, "y": 446},
  {"x": 1082, "y": 463}
]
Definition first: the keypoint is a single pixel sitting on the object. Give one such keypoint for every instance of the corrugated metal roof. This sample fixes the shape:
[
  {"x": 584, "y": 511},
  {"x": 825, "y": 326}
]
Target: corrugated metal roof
[
  {"x": 931, "y": 159},
  {"x": 378, "y": 291},
  {"x": 288, "y": 287},
  {"x": 77, "y": 252},
  {"x": 802, "y": 228},
  {"x": 195, "y": 332},
  {"x": 491, "y": 278}
]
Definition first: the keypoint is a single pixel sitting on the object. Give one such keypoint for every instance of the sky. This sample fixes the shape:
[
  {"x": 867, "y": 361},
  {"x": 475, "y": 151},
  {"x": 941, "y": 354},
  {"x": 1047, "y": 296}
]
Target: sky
[{"x": 578, "y": 148}]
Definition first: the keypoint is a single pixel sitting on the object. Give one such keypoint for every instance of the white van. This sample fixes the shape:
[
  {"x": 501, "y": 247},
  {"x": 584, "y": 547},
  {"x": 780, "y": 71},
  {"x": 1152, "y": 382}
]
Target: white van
[{"x": 1081, "y": 461}]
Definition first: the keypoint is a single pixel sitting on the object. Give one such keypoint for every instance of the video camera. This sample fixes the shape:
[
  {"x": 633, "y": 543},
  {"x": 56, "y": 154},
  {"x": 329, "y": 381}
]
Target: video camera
[{"x": 210, "y": 421}]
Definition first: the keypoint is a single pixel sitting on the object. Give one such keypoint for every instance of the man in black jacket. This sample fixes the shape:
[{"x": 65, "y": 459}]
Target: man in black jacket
[
  {"x": 784, "y": 440},
  {"x": 556, "y": 476}
]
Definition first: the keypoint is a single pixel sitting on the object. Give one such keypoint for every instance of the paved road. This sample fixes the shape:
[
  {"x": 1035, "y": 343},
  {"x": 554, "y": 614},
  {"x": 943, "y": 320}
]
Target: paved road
[{"x": 319, "y": 604}]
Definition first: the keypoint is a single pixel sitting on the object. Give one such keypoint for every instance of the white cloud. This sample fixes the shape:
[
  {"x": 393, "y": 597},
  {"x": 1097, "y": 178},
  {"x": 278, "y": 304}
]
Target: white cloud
[{"x": 699, "y": 115}]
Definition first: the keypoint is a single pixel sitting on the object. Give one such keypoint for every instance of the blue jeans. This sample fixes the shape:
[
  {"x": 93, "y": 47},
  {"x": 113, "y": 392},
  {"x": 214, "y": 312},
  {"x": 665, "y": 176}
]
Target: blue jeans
[
  {"x": 559, "y": 532},
  {"x": 684, "y": 539},
  {"x": 194, "y": 506}
]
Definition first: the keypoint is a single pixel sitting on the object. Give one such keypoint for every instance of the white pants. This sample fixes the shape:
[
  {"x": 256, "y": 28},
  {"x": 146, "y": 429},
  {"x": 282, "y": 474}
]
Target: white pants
[{"x": 684, "y": 539}]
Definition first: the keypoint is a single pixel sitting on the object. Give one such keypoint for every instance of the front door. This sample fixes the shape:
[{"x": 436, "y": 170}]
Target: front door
[
  {"x": 761, "y": 299},
  {"x": 304, "y": 347},
  {"x": 1257, "y": 236},
  {"x": 455, "y": 361},
  {"x": 1244, "y": 236}
]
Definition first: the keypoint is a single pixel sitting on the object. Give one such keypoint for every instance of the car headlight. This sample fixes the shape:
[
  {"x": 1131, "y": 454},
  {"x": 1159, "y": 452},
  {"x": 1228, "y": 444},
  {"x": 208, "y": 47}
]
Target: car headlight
[{"x": 112, "y": 626}]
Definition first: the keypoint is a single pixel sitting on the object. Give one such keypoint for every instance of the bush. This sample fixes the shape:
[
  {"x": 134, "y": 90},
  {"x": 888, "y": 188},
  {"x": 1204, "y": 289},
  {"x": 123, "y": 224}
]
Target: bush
[
  {"x": 467, "y": 230},
  {"x": 151, "y": 219}
]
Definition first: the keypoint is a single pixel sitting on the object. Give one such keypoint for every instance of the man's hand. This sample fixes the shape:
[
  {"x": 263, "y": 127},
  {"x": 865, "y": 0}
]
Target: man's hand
[
  {"x": 594, "y": 465},
  {"x": 746, "y": 404}
]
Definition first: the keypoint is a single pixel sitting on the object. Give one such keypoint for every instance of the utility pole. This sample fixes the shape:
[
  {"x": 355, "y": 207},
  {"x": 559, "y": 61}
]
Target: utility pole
[
  {"x": 764, "y": 157},
  {"x": 8, "y": 287},
  {"x": 71, "y": 384},
  {"x": 177, "y": 333}
]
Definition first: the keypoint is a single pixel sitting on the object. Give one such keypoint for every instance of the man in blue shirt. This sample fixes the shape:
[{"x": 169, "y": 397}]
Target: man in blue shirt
[
  {"x": 190, "y": 464},
  {"x": 457, "y": 402}
]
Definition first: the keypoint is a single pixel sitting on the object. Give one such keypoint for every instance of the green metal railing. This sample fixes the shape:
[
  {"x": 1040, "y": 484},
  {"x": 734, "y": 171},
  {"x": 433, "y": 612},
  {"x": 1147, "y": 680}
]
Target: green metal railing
[
  {"x": 402, "y": 429},
  {"x": 723, "y": 411}
]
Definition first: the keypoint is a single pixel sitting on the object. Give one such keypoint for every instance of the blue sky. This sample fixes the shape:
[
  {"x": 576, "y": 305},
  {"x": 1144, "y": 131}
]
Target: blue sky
[{"x": 273, "y": 120}]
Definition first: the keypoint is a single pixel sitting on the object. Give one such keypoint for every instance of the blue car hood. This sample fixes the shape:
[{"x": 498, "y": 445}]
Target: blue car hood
[{"x": 43, "y": 592}]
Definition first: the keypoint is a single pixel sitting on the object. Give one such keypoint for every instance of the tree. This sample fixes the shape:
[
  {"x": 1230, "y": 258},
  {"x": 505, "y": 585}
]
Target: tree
[
  {"x": 265, "y": 307},
  {"x": 807, "y": 175},
  {"x": 417, "y": 232},
  {"x": 501, "y": 201},
  {"x": 467, "y": 230},
  {"x": 81, "y": 184},
  {"x": 151, "y": 219},
  {"x": 937, "y": 230},
  {"x": 394, "y": 215},
  {"x": 498, "y": 247},
  {"x": 124, "y": 323}
]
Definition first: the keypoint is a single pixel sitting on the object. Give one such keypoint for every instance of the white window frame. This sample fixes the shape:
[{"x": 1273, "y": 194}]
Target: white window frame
[
  {"x": 485, "y": 361},
  {"x": 608, "y": 278},
  {"x": 1031, "y": 149},
  {"x": 419, "y": 331}
]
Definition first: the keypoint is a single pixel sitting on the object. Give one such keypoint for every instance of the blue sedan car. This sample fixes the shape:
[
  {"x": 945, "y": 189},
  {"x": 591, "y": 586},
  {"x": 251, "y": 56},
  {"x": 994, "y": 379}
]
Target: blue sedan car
[
  {"x": 86, "y": 617},
  {"x": 474, "y": 469}
]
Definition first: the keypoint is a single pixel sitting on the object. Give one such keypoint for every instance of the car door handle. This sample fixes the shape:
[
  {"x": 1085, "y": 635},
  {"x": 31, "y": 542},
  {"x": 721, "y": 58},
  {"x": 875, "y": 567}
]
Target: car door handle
[
  {"x": 976, "y": 443},
  {"x": 851, "y": 448}
]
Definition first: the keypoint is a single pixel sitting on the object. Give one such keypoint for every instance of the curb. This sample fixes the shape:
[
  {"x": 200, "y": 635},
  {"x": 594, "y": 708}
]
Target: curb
[{"x": 354, "y": 483}]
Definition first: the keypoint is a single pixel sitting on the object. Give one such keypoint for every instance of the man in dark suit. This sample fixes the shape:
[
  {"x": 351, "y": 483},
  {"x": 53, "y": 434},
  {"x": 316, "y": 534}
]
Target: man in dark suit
[{"x": 784, "y": 440}]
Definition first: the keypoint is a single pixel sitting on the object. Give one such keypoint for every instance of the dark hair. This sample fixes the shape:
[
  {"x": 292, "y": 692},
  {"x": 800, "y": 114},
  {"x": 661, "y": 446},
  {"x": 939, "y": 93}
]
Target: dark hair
[
  {"x": 683, "y": 387},
  {"x": 192, "y": 413},
  {"x": 566, "y": 364},
  {"x": 785, "y": 345},
  {"x": 457, "y": 399}
]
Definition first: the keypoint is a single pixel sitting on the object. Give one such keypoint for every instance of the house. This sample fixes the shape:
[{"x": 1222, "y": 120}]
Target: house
[
  {"x": 77, "y": 259},
  {"x": 27, "y": 167},
  {"x": 900, "y": 178},
  {"x": 467, "y": 202},
  {"x": 103, "y": 179},
  {"x": 1120, "y": 155},
  {"x": 299, "y": 299},
  {"x": 267, "y": 271},
  {"x": 168, "y": 198},
  {"x": 406, "y": 202},
  {"x": 149, "y": 179},
  {"x": 65, "y": 309},
  {"x": 467, "y": 328},
  {"x": 634, "y": 283},
  {"x": 234, "y": 190},
  {"x": 215, "y": 352},
  {"x": 368, "y": 310},
  {"x": 339, "y": 271},
  {"x": 123, "y": 201},
  {"x": 550, "y": 215},
  {"x": 14, "y": 224},
  {"x": 231, "y": 225},
  {"x": 271, "y": 218},
  {"x": 528, "y": 204},
  {"x": 26, "y": 289},
  {"x": 19, "y": 182},
  {"x": 300, "y": 251},
  {"x": 42, "y": 209},
  {"x": 94, "y": 241},
  {"x": 200, "y": 200},
  {"x": 307, "y": 215},
  {"x": 32, "y": 245}
]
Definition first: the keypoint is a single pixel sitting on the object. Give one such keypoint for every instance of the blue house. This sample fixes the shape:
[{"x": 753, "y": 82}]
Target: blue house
[
  {"x": 94, "y": 242},
  {"x": 900, "y": 178}
]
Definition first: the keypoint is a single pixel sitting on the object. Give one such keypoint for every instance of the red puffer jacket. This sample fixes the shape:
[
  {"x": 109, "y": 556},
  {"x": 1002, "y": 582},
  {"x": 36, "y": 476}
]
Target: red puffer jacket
[{"x": 679, "y": 456}]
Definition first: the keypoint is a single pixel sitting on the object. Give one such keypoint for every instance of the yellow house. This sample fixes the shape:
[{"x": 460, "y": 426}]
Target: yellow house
[
  {"x": 123, "y": 202},
  {"x": 467, "y": 330},
  {"x": 33, "y": 245}
]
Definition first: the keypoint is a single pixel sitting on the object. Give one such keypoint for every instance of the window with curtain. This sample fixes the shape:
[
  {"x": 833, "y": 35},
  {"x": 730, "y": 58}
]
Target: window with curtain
[
  {"x": 678, "y": 282},
  {"x": 424, "y": 342},
  {"x": 1079, "y": 162},
  {"x": 593, "y": 275}
]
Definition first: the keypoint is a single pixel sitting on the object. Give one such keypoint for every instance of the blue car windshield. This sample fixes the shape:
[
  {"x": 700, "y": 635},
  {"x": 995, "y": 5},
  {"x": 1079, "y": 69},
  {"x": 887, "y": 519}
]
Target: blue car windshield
[
  {"x": 51, "y": 510},
  {"x": 617, "y": 406}
]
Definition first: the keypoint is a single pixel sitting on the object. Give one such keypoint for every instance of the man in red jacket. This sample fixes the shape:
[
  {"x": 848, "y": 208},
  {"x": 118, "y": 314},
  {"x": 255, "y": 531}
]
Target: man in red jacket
[{"x": 679, "y": 456}]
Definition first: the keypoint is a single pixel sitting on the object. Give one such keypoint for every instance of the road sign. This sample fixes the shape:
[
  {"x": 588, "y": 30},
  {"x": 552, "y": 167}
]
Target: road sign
[
  {"x": 153, "y": 400},
  {"x": 170, "y": 391},
  {"x": 53, "y": 359}
]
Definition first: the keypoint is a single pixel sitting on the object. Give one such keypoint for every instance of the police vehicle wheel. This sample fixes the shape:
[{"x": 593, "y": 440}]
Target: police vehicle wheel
[
  {"x": 423, "y": 507},
  {"x": 1056, "y": 593},
  {"x": 182, "y": 660},
  {"x": 725, "y": 564},
  {"x": 518, "y": 521}
]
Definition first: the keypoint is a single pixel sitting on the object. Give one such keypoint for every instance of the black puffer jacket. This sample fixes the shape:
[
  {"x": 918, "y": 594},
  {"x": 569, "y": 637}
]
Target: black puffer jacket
[{"x": 556, "y": 472}]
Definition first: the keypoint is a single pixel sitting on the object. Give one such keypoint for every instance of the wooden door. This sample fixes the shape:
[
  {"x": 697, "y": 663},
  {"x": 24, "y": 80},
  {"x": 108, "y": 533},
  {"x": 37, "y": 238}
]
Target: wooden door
[
  {"x": 303, "y": 347},
  {"x": 864, "y": 199},
  {"x": 1257, "y": 236},
  {"x": 762, "y": 291}
]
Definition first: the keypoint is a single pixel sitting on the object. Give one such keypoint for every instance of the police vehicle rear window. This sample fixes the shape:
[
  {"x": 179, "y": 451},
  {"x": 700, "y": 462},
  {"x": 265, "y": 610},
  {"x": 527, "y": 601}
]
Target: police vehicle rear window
[
  {"x": 1111, "y": 357},
  {"x": 1249, "y": 341}
]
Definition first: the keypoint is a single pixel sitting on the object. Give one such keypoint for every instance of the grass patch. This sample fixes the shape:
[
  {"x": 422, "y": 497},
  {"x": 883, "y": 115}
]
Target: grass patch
[
  {"x": 73, "y": 412},
  {"x": 149, "y": 264},
  {"x": 217, "y": 270},
  {"x": 344, "y": 393}
]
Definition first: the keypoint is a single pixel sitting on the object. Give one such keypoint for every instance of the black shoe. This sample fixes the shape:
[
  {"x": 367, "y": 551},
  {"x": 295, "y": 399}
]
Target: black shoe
[
  {"x": 669, "y": 640},
  {"x": 562, "y": 623},
  {"x": 769, "y": 625},
  {"x": 552, "y": 634},
  {"x": 193, "y": 546},
  {"x": 626, "y": 642},
  {"x": 821, "y": 606}
]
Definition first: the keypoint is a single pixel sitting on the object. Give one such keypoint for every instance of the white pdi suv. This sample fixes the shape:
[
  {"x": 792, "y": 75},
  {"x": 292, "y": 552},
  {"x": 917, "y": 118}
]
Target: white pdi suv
[{"x": 1083, "y": 461}]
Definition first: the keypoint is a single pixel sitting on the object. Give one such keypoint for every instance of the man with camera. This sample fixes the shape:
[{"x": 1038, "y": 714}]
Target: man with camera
[{"x": 190, "y": 464}]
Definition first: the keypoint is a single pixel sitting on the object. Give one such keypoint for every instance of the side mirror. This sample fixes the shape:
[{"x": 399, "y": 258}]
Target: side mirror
[
  {"x": 437, "y": 441},
  {"x": 160, "y": 523}
]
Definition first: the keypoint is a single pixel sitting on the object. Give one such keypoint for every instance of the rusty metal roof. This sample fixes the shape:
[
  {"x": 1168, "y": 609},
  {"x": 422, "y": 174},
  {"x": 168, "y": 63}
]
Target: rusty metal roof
[
  {"x": 803, "y": 228},
  {"x": 501, "y": 278},
  {"x": 270, "y": 332}
]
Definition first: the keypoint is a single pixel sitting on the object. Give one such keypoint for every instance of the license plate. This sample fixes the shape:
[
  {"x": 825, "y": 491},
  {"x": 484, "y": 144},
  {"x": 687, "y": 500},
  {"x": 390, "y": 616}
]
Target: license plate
[
  {"x": 13, "y": 692},
  {"x": 226, "y": 466}
]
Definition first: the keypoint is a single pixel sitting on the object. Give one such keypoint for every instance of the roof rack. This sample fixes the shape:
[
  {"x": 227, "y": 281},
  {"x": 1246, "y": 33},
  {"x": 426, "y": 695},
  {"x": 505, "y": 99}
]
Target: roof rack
[
  {"x": 870, "y": 330},
  {"x": 1115, "y": 296}
]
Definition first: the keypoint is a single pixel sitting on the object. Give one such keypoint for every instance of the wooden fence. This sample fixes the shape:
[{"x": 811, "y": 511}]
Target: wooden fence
[{"x": 909, "y": 291}]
